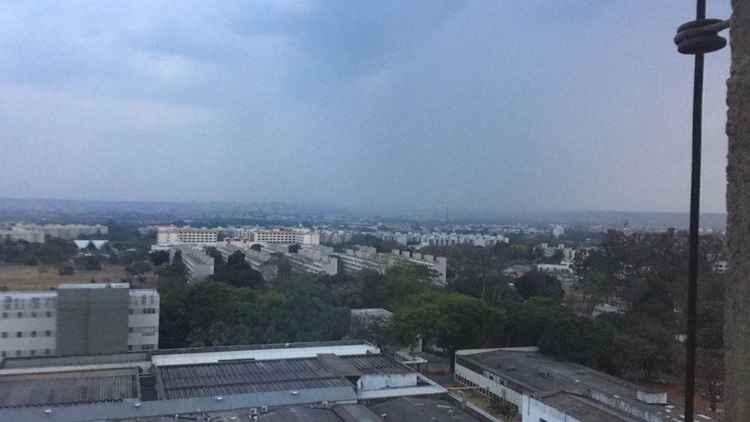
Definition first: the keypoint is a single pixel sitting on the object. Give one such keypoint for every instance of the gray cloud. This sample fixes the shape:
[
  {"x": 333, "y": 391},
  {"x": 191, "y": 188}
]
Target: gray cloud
[{"x": 381, "y": 106}]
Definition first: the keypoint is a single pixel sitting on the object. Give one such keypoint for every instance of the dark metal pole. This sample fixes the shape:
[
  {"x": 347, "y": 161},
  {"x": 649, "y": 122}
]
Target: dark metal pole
[{"x": 695, "y": 196}]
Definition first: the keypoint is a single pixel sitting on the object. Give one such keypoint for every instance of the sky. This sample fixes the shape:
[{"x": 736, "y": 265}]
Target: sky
[{"x": 384, "y": 105}]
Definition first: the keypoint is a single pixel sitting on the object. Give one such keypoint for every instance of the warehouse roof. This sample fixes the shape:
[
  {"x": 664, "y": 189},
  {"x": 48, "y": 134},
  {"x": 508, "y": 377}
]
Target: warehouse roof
[
  {"x": 68, "y": 387},
  {"x": 420, "y": 409},
  {"x": 222, "y": 378}
]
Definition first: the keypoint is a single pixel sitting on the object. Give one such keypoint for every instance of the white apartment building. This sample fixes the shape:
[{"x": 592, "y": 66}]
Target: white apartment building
[
  {"x": 199, "y": 264},
  {"x": 290, "y": 236},
  {"x": 173, "y": 235},
  {"x": 37, "y": 233},
  {"x": 31, "y": 323}
]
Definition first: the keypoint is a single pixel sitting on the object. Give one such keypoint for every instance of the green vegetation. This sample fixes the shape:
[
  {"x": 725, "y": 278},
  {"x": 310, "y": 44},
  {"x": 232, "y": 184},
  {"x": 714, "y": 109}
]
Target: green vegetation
[
  {"x": 480, "y": 308},
  {"x": 52, "y": 252}
]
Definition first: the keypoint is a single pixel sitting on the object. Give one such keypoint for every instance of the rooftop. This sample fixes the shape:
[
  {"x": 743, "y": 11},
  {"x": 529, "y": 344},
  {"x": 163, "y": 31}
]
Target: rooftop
[
  {"x": 420, "y": 409},
  {"x": 547, "y": 377},
  {"x": 205, "y": 380},
  {"x": 68, "y": 387}
]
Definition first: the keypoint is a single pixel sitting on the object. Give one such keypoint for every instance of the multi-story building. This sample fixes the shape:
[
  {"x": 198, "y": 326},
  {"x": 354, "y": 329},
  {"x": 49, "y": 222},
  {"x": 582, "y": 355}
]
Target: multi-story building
[
  {"x": 37, "y": 233},
  {"x": 287, "y": 236},
  {"x": 173, "y": 235},
  {"x": 315, "y": 260},
  {"x": 198, "y": 264},
  {"x": 79, "y": 319},
  {"x": 368, "y": 258}
]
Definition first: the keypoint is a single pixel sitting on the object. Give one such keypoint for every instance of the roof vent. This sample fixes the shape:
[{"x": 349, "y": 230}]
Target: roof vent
[
  {"x": 652, "y": 397},
  {"x": 48, "y": 412},
  {"x": 295, "y": 393}
]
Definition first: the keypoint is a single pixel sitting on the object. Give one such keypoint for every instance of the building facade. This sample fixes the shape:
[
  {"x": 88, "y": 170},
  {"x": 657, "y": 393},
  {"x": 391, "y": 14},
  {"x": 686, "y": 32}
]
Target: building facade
[
  {"x": 37, "y": 233},
  {"x": 173, "y": 235},
  {"x": 545, "y": 389},
  {"x": 368, "y": 258},
  {"x": 198, "y": 264},
  {"x": 79, "y": 319},
  {"x": 287, "y": 236}
]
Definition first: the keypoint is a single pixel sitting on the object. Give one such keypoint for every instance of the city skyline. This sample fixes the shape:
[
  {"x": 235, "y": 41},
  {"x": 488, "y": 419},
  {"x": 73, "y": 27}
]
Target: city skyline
[{"x": 380, "y": 107}]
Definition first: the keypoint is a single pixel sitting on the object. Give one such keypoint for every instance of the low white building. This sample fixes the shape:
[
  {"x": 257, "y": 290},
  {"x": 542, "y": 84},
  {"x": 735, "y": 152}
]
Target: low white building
[{"x": 548, "y": 390}]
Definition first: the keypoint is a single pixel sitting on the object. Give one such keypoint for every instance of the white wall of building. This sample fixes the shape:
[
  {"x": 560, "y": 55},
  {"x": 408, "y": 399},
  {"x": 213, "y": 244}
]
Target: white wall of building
[
  {"x": 34, "y": 316},
  {"x": 371, "y": 382},
  {"x": 493, "y": 385},
  {"x": 534, "y": 411}
]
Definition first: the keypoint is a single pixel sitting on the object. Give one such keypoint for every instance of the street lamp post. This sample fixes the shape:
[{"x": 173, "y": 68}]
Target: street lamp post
[{"x": 696, "y": 38}]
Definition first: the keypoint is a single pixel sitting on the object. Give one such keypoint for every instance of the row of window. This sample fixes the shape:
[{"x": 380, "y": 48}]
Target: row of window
[
  {"x": 144, "y": 300},
  {"x": 142, "y": 347},
  {"x": 19, "y": 353},
  {"x": 145, "y": 331},
  {"x": 33, "y": 314},
  {"x": 143, "y": 311},
  {"x": 36, "y": 303},
  {"x": 21, "y": 334}
]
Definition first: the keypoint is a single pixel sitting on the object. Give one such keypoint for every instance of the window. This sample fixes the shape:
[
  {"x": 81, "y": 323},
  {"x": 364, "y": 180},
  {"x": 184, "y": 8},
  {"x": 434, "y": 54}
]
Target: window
[
  {"x": 48, "y": 333},
  {"x": 20, "y": 314},
  {"x": 46, "y": 351},
  {"x": 130, "y": 329},
  {"x": 33, "y": 314},
  {"x": 32, "y": 353},
  {"x": 33, "y": 334},
  {"x": 19, "y": 334},
  {"x": 49, "y": 314},
  {"x": 5, "y": 315},
  {"x": 3, "y": 354},
  {"x": 18, "y": 353},
  {"x": 5, "y": 334}
]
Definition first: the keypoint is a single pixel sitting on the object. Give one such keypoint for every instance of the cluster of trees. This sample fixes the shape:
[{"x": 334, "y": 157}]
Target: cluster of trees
[{"x": 52, "y": 252}]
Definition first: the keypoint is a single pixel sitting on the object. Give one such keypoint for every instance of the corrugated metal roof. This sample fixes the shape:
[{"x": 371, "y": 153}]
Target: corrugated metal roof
[
  {"x": 153, "y": 409},
  {"x": 371, "y": 364},
  {"x": 246, "y": 377},
  {"x": 338, "y": 365},
  {"x": 68, "y": 388}
]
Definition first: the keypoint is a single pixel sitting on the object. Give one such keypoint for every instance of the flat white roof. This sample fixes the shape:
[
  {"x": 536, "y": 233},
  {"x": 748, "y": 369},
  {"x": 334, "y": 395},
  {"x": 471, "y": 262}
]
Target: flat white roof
[
  {"x": 262, "y": 354},
  {"x": 94, "y": 286}
]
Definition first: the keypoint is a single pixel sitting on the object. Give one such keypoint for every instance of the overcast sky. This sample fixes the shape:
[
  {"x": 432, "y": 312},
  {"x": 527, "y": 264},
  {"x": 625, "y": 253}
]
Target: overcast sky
[{"x": 380, "y": 105}]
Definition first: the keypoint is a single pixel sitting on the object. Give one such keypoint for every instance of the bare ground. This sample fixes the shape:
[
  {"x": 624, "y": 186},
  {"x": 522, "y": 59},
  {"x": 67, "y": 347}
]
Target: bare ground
[{"x": 41, "y": 277}]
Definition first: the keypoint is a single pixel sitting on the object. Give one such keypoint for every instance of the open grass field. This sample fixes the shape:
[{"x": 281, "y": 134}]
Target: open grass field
[{"x": 41, "y": 277}]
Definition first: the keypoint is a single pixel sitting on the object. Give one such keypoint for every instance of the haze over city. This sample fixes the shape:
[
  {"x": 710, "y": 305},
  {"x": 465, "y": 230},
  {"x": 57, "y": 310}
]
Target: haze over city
[{"x": 381, "y": 106}]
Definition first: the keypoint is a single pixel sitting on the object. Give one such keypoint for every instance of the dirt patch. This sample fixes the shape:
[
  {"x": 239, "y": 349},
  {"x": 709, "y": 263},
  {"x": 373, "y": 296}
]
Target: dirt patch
[{"x": 42, "y": 277}]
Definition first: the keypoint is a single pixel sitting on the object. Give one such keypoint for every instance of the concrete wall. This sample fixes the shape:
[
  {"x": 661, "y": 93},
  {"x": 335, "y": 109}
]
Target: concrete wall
[
  {"x": 493, "y": 386},
  {"x": 534, "y": 411},
  {"x": 370, "y": 382},
  {"x": 92, "y": 320},
  {"x": 737, "y": 303}
]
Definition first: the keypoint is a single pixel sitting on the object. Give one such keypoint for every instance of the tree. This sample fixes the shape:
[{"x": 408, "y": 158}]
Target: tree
[
  {"x": 450, "y": 320},
  {"x": 538, "y": 284},
  {"x": 89, "y": 262},
  {"x": 159, "y": 257},
  {"x": 236, "y": 271},
  {"x": 138, "y": 268}
]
